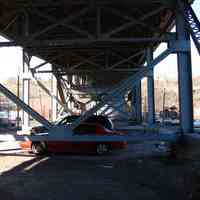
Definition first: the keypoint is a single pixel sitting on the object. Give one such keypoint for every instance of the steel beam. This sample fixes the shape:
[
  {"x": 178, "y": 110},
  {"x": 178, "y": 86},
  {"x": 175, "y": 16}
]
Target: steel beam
[
  {"x": 137, "y": 104},
  {"x": 86, "y": 60},
  {"x": 26, "y": 87},
  {"x": 104, "y": 110},
  {"x": 78, "y": 42},
  {"x": 60, "y": 89},
  {"x": 109, "y": 113},
  {"x": 60, "y": 22},
  {"x": 7, "y": 15},
  {"x": 132, "y": 23},
  {"x": 13, "y": 20},
  {"x": 193, "y": 23},
  {"x": 33, "y": 69},
  {"x": 26, "y": 58},
  {"x": 131, "y": 19},
  {"x": 112, "y": 52},
  {"x": 185, "y": 77},
  {"x": 54, "y": 20},
  {"x": 25, "y": 107},
  {"x": 8, "y": 44},
  {"x": 125, "y": 85},
  {"x": 150, "y": 89},
  {"x": 54, "y": 101},
  {"x": 47, "y": 91},
  {"x": 126, "y": 60},
  {"x": 87, "y": 71},
  {"x": 117, "y": 106}
]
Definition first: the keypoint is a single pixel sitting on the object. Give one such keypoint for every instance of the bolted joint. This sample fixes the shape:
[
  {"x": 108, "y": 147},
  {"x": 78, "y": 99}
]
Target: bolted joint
[
  {"x": 179, "y": 46},
  {"x": 170, "y": 36},
  {"x": 150, "y": 73}
]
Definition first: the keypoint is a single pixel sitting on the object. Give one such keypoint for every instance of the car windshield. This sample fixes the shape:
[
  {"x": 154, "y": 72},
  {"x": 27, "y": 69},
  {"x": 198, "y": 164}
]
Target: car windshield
[
  {"x": 60, "y": 119},
  {"x": 66, "y": 119}
]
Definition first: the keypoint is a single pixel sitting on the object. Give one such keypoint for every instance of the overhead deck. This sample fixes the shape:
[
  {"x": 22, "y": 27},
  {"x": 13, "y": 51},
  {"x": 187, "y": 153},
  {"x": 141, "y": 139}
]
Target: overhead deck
[{"x": 104, "y": 39}]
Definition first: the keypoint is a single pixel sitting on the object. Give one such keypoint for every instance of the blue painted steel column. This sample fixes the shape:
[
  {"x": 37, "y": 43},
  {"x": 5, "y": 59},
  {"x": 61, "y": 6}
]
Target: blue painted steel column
[
  {"x": 139, "y": 102},
  {"x": 150, "y": 89},
  {"x": 26, "y": 88},
  {"x": 184, "y": 76},
  {"x": 26, "y": 67},
  {"x": 53, "y": 100},
  {"x": 136, "y": 101}
]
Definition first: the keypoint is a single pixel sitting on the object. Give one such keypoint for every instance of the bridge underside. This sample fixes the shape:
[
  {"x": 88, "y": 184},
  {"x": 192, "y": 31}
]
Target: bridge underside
[
  {"x": 105, "y": 40},
  {"x": 103, "y": 44}
]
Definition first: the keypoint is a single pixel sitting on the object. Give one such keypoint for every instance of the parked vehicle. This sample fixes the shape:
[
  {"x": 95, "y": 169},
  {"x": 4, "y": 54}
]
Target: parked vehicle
[
  {"x": 68, "y": 119},
  {"x": 94, "y": 125}
]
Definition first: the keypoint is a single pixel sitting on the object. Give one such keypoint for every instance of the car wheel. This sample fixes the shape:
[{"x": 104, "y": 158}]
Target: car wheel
[
  {"x": 102, "y": 149},
  {"x": 39, "y": 148}
]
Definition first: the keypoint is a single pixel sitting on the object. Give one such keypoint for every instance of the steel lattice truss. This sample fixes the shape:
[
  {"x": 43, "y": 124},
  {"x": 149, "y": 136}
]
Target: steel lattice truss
[
  {"x": 104, "y": 40},
  {"x": 194, "y": 25}
]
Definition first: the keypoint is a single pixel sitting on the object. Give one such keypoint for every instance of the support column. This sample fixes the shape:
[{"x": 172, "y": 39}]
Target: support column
[
  {"x": 184, "y": 76},
  {"x": 53, "y": 100},
  {"x": 60, "y": 91},
  {"x": 136, "y": 103},
  {"x": 26, "y": 58},
  {"x": 150, "y": 89},
  {"x": 26, "y": 87}
]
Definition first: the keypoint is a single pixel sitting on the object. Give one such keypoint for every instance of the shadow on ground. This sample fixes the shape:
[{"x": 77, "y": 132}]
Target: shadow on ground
[{"x": 61, "y": 177}]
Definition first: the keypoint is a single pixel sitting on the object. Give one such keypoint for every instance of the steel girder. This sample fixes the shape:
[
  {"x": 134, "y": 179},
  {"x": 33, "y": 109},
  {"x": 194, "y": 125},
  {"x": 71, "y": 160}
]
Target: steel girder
[
  {"x": 192, "y": 22},
  {"x": 25, "y": 107},
  {"x": 150, "y": 90},
  {"x": 184, "y": 75},
  {"x": 47, "y": 91},
  {"x": 116, "y": 92},
  {"x": 121, "y": 88},
  {"x": 80, "y": 35},
  {"x": 125, "y": 85}
]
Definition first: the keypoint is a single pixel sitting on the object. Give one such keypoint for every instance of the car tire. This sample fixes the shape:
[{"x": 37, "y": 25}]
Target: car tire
[
  {"x": 102, "y": 149},
  {"x": 39, "y": 148}
]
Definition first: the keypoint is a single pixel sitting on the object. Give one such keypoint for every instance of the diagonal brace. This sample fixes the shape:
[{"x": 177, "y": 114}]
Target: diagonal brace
[
  {"x": 25, "y": 107},
  {"x": 124, "y": 86}
]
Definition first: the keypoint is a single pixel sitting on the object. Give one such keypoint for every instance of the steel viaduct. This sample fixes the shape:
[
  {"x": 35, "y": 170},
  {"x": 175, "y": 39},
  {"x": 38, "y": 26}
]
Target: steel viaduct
[{"x": 106, "y": 44}]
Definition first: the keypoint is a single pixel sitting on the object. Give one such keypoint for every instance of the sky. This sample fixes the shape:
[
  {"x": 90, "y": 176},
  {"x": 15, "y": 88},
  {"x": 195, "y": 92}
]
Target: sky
[
  {"x": 167, "y": 69},
  {"x": 11, "y": 59}
]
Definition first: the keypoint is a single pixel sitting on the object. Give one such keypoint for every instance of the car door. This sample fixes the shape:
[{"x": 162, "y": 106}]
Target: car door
[{"x": 83, "y": 130}]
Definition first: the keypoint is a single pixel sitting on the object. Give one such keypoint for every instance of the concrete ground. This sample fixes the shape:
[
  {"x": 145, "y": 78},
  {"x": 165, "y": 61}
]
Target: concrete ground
[{"x": 141, "y": 172}]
